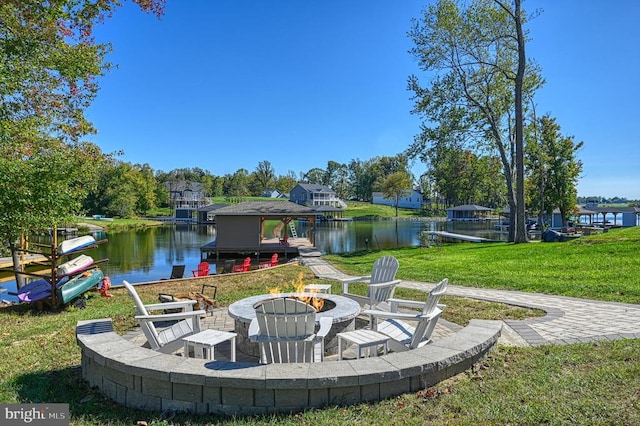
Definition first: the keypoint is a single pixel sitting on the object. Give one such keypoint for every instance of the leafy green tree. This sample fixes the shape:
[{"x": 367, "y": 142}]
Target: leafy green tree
[
  {"x": 554, "y": 169},
  {"x": 42, "y": 185},
  {"x": 395, "y": 186},
  {"x": 145, "y": 185},
  {"x": 287, "y": 182},
  {"x": 361, "y": 178},
  {"x": 237, "y": 185},
  {"x": 474, "y": 54},
  {"x": 332, "y": 173},
  {"x": 121, "y": 191},
  {"x": 365, "y": 177},
  {"x": 315, "y": 176},
  {"x": 341, "y": 182},
  {"x": 217, "y": 186},
  {"x": 263, "y": 178},
  {"x": 162, "y": 196},
  {"x": 48, "y": 77}
]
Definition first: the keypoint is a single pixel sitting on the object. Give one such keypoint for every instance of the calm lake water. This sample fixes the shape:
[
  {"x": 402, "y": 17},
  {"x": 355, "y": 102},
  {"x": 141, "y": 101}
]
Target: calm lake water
[{"x": 148, "y": 254}]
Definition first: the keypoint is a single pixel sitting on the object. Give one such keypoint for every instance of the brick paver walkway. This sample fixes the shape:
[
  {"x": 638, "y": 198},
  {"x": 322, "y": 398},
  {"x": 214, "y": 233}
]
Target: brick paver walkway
[{"x": 568, "y": 320}]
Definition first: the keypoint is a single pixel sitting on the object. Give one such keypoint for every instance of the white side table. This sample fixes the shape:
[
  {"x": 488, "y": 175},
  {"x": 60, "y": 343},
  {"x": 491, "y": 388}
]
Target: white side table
[
  {"x": 363, "y": 339},
  {"x": 203, "y": 343},
  {"x": 318, "y": 288}
]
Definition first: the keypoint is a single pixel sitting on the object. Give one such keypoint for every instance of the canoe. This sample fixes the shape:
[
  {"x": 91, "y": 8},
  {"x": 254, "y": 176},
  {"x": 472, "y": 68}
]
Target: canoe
[
  {"x": 37, "y": 290},
  {"x": 67, "y": 246},
  {"x": 79, "y": 285},
  {"x": 74, "y": 265}
]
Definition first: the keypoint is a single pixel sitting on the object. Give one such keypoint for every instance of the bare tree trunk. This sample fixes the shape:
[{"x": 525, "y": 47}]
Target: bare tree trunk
[
  {"x": 520, "y": 225},
  {"x": 512, "y": 208}
]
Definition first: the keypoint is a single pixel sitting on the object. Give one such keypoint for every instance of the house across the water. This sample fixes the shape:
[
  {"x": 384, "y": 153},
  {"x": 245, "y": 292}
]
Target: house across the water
[
  {"x": 321, "y": 198},
  {"x": 410, "y": 199}
]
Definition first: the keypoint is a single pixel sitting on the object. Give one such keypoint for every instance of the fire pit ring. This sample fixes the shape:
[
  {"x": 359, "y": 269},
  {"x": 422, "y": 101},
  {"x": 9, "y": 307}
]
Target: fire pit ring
[{"x": 343, "y": 315}]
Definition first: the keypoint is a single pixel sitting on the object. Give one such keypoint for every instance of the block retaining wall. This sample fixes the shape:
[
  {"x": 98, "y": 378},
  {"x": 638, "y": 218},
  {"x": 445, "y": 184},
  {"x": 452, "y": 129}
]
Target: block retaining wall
[{"x": 142, "y": 378}]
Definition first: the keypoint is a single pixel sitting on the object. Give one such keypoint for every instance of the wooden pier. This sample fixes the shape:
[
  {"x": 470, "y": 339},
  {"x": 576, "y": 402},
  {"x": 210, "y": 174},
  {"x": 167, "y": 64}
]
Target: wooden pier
[{"x": 443, "y": 235}]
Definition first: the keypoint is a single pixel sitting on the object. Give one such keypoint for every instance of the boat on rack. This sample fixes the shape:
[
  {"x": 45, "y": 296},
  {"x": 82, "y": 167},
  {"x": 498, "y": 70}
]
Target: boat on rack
[
  {"x": 75, "y": 265},
  {"x": 37, "y": 290},
  {"x": 77, "y": 286},
  {"x": 68, "y": 246},
  {"x": 66, "y": 289}
]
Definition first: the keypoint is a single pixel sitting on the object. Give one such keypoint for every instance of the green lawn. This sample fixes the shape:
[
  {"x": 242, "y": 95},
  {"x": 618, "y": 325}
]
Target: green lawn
[{"x": 602, "y": 267}]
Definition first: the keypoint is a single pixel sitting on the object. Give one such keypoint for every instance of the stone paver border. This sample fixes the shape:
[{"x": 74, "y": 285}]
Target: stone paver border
[{"x": 142, "y": 378}]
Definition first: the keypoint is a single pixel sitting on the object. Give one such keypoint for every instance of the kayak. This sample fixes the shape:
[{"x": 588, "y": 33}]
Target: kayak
[
  {"x": 37, "y": 290},
  {"x": 67, "y": 246},
  {"x": 74, "y": 265},
  {"x": 79, "y": 285}
]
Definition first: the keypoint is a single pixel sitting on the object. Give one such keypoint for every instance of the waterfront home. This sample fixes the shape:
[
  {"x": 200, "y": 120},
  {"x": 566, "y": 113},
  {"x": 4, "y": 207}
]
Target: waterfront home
[{"x": 410, "y": 199}]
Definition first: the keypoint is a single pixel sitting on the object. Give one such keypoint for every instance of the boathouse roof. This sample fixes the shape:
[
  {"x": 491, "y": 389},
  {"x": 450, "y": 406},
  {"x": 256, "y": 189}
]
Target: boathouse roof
[
  {"x": 469, "y": 207},
  {"x": 265, "y": 208}
]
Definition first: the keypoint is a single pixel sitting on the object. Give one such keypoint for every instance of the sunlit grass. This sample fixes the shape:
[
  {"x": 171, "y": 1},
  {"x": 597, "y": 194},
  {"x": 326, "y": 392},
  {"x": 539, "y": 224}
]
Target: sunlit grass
[{"x": 602, "y": 267}]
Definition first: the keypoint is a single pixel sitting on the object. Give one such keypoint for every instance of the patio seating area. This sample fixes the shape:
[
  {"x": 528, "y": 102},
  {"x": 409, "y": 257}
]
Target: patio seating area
[
  {"x": 219, "y": 319},
  {"x": 265, "y": 353},
  {"x": 138, "y": 377}
]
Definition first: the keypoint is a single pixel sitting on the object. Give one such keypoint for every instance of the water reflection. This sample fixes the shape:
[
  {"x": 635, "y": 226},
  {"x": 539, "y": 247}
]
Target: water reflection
[
  {"x": 149, "y": 254},
  {"x": 346, "y": 237}
]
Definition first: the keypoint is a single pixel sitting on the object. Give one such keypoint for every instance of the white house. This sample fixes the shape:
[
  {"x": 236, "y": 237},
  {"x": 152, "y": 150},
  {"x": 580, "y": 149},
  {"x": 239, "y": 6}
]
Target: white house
[
  {"x": 412, "y": 199},
  {"x": 272, "y": 193}
]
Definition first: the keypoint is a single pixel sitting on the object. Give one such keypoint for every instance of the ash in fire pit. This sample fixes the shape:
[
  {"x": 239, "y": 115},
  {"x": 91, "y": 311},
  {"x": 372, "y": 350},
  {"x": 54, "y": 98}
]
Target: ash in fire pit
[{"x": 341, "y": 310}]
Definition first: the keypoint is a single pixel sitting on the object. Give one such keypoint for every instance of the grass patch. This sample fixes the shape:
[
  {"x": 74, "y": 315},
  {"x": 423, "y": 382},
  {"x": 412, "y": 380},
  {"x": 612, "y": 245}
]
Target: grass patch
[
  {"x": 361, "y": 209},
  {"x": 600, "y": 267},
  {"x": 116, "y": 225}
]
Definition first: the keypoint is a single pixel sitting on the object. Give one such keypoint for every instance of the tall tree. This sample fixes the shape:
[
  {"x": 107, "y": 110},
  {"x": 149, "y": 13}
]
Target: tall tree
[
  {"x": 315, "y": 176},
  {"x": 362, "y": 176},
  {"x": 237, "y": 185},
  {"x": 475, "y": 55},
  {"x": 332, "y": 174},
  {"x": 395, "y": 186},
  {"x": 264, "y": 177},
  {"x": 145, "y": 188},
  {"x": 341, "y": 182},
  {"x": 554, "y": 168}
]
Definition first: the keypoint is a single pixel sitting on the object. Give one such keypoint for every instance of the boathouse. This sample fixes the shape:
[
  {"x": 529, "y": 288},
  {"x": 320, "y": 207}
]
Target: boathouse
[
  {"x": 469, "y": 212},
  {"x": 241, "y": 230},
  {"x": 629, "y": 215}
]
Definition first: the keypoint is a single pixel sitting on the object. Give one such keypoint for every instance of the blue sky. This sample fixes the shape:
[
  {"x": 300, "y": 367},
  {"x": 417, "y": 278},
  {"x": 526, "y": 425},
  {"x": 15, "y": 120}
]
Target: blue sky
[{"x": 225, "y": 84}]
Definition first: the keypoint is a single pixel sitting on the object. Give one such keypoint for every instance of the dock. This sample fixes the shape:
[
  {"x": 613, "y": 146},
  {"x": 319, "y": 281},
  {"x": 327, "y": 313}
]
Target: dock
[
  {"x": 266, "y": 247},
  {"x": 459, "y": 237},
  {"x": 7, "y": 262}
]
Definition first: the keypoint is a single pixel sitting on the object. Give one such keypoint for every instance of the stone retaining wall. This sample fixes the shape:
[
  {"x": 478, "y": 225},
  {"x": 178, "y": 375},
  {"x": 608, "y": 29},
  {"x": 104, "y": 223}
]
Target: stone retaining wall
[{"x": 142, "y": 378}]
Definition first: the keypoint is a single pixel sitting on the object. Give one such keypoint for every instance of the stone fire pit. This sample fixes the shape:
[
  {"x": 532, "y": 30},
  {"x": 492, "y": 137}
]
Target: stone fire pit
[{"x": 343, "y": 311}]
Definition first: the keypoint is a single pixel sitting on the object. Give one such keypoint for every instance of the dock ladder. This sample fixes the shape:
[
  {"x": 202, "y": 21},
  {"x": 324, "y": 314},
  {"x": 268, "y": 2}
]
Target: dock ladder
[{"x": 292, "y": 227}]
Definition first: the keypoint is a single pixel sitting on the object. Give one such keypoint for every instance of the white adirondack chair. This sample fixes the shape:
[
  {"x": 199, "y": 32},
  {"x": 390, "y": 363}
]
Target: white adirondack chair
[
  {"x": 405, "y": 336},
  {"x": 182, "y": 324},
  {"x": 381, "y": 283},
  {"x": 284, "y": 329}
]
